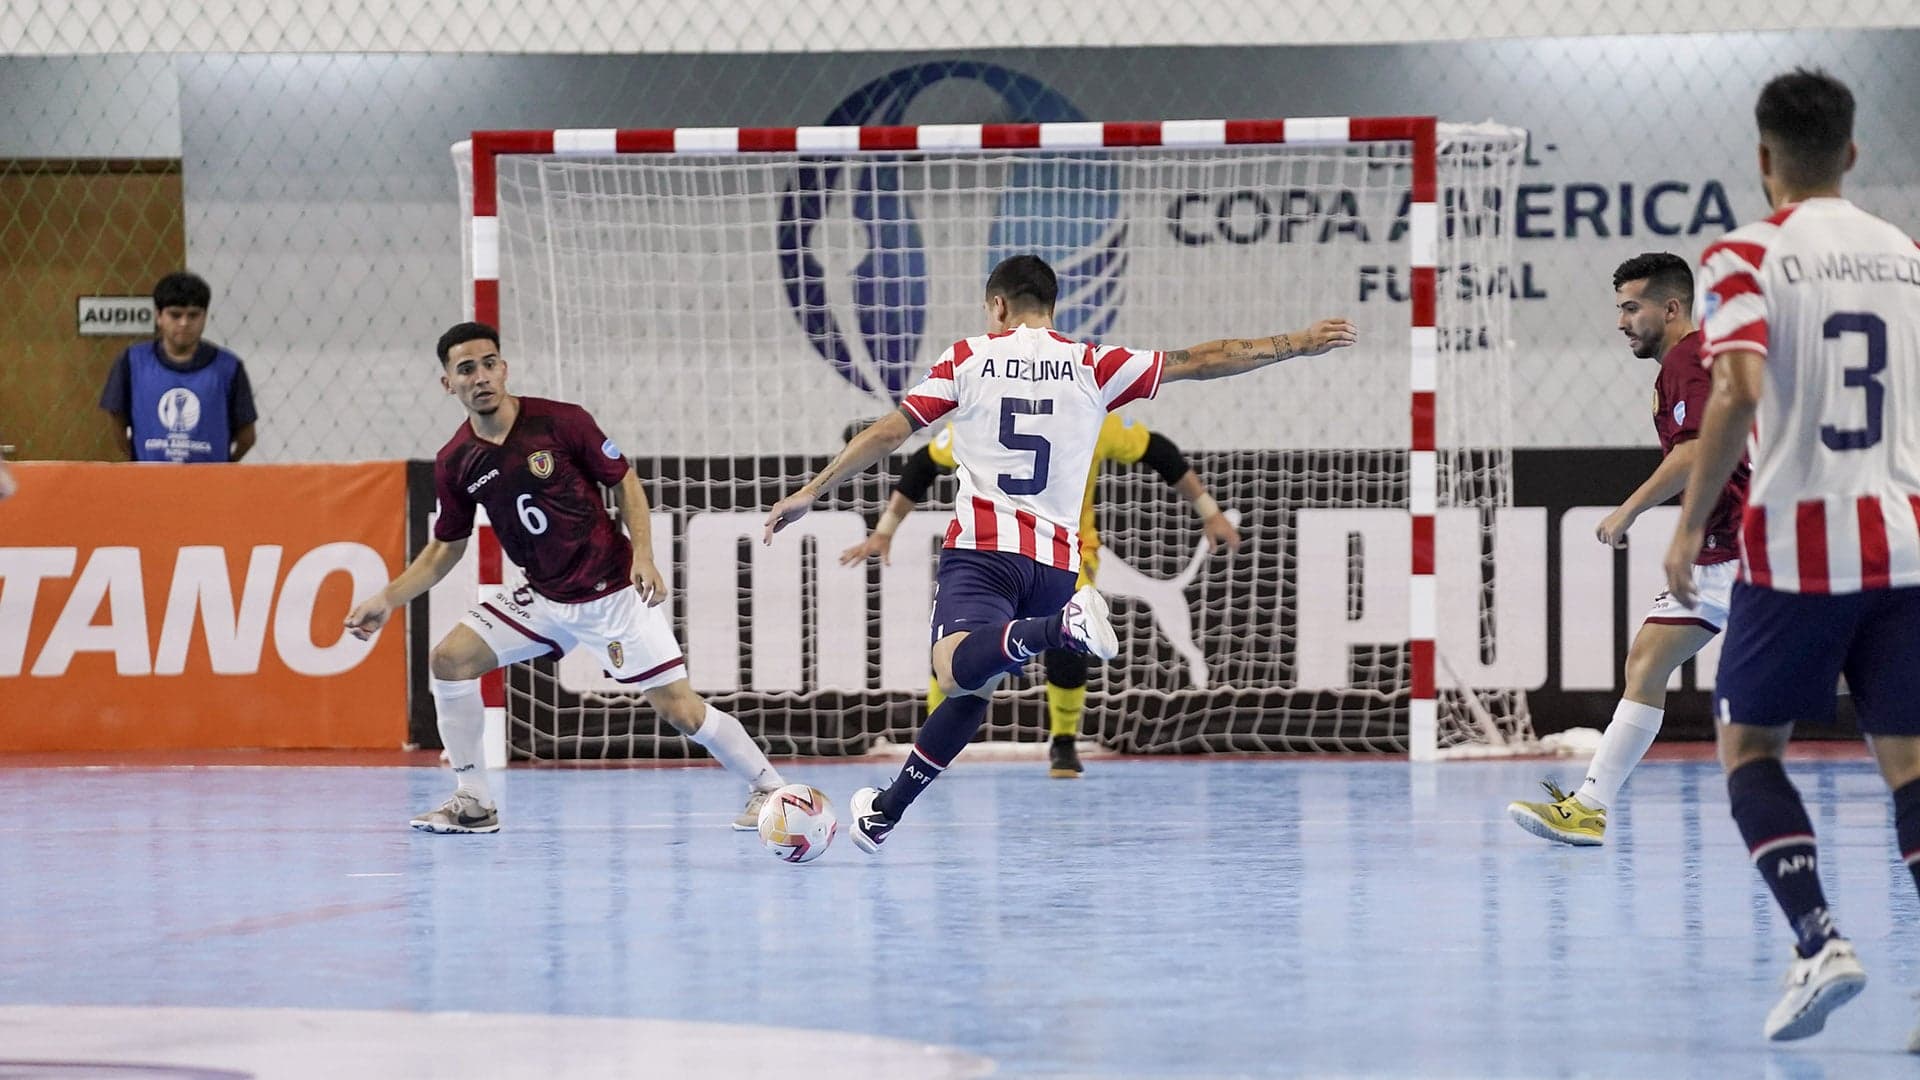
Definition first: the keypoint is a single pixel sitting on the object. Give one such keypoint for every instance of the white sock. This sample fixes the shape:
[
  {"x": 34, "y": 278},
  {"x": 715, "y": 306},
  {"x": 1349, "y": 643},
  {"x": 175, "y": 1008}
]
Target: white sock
[
  {"x": 732, "y": 747},
  {"x": 1622, "y": 746},
  {"x": 463, "y": 727}
]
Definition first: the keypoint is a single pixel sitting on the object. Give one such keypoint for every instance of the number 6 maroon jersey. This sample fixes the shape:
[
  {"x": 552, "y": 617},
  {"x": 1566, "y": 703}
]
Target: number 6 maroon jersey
[{"x": 541, "y": 488}]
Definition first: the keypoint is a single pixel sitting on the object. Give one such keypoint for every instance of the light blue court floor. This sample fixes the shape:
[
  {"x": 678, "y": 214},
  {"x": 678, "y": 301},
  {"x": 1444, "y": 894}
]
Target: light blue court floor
[{"x": 1162, "y": 918}]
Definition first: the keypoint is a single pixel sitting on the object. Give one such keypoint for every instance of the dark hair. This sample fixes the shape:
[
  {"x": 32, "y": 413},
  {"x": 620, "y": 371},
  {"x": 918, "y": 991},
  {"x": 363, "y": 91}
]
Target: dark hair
[
  {"x": 1667, "y": 275},
  {"x": 181, "y": 289},
  {"x": 461, "y": 333},
  {"x": 1026, "y": 281},
  {"x": 1806, "y": 117}
]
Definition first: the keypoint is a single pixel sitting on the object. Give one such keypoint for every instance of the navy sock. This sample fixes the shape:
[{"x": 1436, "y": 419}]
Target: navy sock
[
  {"x": 1779, "y": 836},
  {"x": 1906, "y": 825},
  {"x": 947, "y": 731},
  {"x": 986, "y": 653}
]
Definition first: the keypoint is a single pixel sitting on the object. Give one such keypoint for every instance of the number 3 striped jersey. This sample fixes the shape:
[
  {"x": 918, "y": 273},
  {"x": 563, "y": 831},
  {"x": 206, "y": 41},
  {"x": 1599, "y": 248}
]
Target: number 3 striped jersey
[
  {"x": 1830, "y": 295},
  {"x": 1026, "y": 406}
]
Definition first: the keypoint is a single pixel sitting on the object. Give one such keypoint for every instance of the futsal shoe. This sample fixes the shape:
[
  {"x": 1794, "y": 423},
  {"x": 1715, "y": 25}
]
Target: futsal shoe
[
  {"x": 1087, "y": 627},
  {"x": 461, "y": 814},
  {"x": 870, "y": 827},
  {"x": 1816, "y": 985},
  {"x": 1063, "y": 759},
  {"x": 749, "y": 819},
  {"x": 1566, "y": 819}
]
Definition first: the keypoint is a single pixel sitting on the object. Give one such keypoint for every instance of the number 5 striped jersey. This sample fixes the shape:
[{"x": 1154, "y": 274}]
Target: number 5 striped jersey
[
  {"x": 1026, "y": 406},
  {"x": 1830, "y": 295}
]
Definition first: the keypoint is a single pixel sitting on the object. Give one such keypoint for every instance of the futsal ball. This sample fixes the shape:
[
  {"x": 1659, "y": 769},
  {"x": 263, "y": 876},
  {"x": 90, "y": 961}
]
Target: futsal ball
[{"x": 797, "y": 823}]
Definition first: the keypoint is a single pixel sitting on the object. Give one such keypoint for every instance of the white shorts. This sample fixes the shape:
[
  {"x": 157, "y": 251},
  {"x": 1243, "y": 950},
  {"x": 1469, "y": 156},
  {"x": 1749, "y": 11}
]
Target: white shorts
[
  {"x": 1714, "y": 583},
  {"x": 634, "y": 642}
]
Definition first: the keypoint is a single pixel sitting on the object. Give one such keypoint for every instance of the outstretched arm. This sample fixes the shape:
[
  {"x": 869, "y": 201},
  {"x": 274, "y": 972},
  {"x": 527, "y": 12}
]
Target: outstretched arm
[
  {"x": 434, "y": 562},
  {"x": 876, "y": 442},
  {"x": 1235, "y": 356}
]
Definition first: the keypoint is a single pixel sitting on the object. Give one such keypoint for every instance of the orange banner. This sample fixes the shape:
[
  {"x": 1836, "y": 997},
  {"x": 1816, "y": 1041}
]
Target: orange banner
[{"x": 198, "y": 606}]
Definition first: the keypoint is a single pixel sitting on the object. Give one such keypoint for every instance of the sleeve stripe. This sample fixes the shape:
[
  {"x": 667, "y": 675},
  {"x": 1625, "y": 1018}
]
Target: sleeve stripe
[
  {"x": 926, "y": 409},
  {"x": 1737, "y": 311},
  {"x": 1109, "y": 365},
  {"x": 1143, "y": 387},
  {"x": 1739, "y": 283},
  {"x": 1749, "y": 338},
  {"x": 1746, "y": 251}
]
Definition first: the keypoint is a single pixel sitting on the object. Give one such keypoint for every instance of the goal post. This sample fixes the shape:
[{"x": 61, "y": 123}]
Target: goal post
[{"x": 725, "y": 299}]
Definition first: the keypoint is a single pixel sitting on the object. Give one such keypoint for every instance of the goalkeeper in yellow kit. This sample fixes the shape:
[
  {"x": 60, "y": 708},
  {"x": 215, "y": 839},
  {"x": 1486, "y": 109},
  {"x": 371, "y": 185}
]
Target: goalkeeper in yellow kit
[{"x": 1121, "y": 440}]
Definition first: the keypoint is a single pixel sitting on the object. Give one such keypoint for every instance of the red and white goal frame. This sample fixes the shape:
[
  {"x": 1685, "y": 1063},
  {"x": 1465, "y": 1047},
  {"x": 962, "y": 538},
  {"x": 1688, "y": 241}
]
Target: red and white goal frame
[{"x": 1423, "y": 225}]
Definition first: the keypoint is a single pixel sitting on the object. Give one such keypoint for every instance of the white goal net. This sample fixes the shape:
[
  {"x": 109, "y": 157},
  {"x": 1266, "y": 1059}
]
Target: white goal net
[{"x": 727, "y": 302}]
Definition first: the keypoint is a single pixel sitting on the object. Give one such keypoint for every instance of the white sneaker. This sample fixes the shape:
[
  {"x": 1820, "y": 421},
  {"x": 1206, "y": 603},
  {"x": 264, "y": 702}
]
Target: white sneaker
[
  {"x": 749, "y": 819},
  {"x": 870, "y": 827},
  {"x": 1087, "y": 627},
  {"x": 461, "y": 814},
  {"x": 1816, "y": 985}
]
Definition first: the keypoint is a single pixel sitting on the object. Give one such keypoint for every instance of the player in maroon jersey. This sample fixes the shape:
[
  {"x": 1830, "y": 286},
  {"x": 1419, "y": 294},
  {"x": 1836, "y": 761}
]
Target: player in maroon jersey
[
  {"x": 537, "y": 466},
  {"x": 1653, "y": 294}
]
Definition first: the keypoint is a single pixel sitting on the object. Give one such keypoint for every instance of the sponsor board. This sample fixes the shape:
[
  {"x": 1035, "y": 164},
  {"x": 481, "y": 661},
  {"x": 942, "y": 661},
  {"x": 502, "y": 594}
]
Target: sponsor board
[{"x": 146, "y": 606}]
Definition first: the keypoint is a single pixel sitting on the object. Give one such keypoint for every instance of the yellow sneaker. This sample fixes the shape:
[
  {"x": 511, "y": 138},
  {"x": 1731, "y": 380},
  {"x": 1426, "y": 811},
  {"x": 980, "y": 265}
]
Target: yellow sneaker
[{"x": 1565, "y": 819}]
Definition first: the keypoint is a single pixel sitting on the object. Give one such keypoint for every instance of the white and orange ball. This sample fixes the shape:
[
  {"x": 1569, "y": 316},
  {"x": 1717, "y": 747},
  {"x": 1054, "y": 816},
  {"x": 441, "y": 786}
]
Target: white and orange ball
[{"x": 797, "y": 823}]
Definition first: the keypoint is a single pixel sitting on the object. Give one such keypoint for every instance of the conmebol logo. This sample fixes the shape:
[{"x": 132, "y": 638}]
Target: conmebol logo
[{"x": 867, "y": 319}]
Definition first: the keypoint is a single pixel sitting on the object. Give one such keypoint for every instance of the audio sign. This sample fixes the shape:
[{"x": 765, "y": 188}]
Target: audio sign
[{"x": 116, "y": 316}]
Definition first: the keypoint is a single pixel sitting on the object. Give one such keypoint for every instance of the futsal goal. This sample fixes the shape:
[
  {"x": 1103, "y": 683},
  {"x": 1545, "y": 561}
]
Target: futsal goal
[{"x": 727, "y": 300}]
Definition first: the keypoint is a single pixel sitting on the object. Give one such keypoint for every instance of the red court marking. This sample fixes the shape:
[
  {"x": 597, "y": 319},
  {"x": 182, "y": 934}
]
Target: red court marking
[{"x": 260, "y": 923}]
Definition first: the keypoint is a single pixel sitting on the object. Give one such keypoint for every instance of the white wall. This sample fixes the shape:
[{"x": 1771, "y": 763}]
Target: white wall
[{"x": 321, "y": 201}]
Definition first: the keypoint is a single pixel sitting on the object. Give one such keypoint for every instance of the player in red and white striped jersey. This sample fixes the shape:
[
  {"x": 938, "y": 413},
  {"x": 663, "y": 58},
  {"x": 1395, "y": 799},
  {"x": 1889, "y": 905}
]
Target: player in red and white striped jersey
[
  {"x": 1026, "y": 404},
  {"x": 1812, "y": 322},
  {"x": 1015, "y": 495}
]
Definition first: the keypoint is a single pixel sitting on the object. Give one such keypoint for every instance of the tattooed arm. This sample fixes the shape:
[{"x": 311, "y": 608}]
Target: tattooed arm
[
  {"x": 1234, "y": 356},
  {"x": 876, "y": 441}
]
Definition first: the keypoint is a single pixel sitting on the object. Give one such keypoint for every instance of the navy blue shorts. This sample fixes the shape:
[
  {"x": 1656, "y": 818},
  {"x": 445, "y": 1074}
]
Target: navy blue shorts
[
  {"x": 1784, "y": 652},
  {"x": 975, "y": 590}
]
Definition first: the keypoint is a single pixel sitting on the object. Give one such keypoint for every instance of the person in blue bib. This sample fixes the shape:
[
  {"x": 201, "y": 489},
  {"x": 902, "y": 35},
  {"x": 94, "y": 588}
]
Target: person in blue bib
[{"x": 178, "y": 398}]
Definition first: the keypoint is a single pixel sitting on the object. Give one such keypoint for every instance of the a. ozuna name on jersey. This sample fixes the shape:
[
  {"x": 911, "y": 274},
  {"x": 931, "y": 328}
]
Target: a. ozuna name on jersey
[
  {"x": 1876, "y": 266},
  {"x": 1014, "y": 367}
]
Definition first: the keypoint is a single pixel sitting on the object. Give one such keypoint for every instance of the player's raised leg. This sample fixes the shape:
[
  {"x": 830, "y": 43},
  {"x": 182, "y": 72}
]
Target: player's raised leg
[
  {"x": 457, "y": 664},
  {"x": 1661, "y": 646},
  {"x": 978, "y": 645}
]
